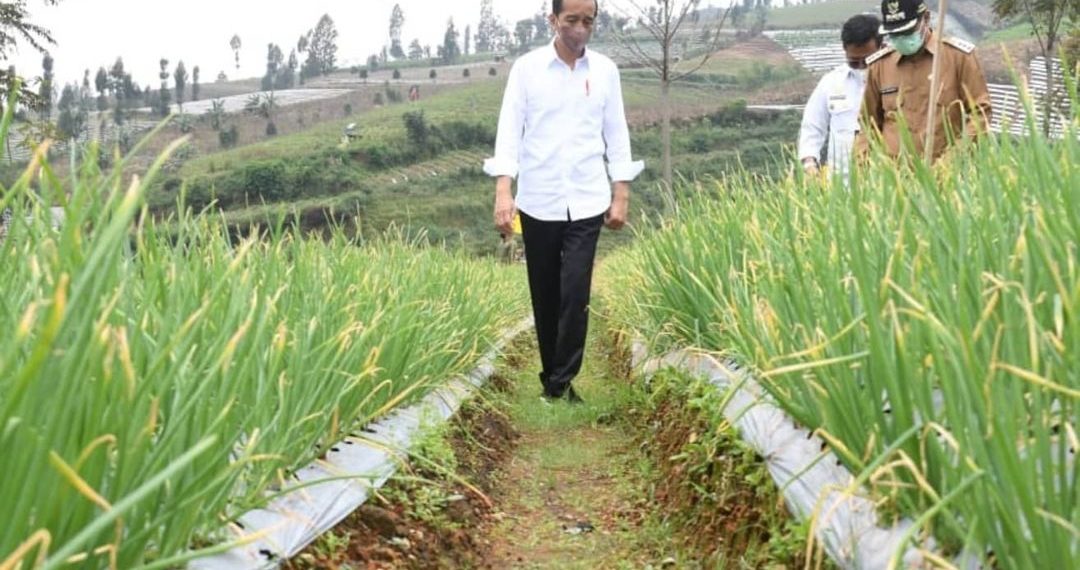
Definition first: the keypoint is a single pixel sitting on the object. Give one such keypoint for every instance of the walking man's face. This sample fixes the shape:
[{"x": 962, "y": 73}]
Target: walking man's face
[
  {"x": 574, "y": 24},
  {"x": 857, "y": 54}
]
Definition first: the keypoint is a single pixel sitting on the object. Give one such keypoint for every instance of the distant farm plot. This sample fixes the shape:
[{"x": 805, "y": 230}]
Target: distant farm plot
[
  {"x": 235, "y": 103},
  {"x": 820, "y": 15}
]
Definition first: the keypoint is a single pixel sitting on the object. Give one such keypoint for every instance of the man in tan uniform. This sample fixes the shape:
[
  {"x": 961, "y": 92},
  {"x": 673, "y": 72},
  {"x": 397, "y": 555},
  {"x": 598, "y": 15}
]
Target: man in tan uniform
[{"x": 898, "y": 84}]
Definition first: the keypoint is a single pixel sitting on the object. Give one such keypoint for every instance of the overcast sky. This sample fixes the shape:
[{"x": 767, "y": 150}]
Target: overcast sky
[{"x": 92, "y": 33}]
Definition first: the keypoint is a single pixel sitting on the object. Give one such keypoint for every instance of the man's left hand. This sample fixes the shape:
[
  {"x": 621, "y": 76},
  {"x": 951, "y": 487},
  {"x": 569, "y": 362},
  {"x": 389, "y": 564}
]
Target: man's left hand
[{"x": 619, "y": 212}]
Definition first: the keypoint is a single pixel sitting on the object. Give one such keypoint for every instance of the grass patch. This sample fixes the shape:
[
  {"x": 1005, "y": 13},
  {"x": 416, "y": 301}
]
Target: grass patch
[
  {"x": 574, "y": 464},
  {"x": 586, "y": 462},
  {"x": 711, "y": 485}
]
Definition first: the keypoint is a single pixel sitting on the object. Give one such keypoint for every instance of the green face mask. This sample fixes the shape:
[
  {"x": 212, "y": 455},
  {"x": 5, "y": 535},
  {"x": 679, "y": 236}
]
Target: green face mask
[{"x": 907, "y": 44}]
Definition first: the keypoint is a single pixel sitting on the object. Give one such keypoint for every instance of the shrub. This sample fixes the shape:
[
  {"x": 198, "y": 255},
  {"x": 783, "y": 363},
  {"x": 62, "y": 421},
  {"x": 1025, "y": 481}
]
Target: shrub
[
  {"x": 229, "y": 137},
  {"x": 461, "y": 134},
  {"x": 380, "y": 154},
  {"x": 266, "y": 180},
  {"x": 185, "y": 123},
  {"x": 417, "y": 131}
]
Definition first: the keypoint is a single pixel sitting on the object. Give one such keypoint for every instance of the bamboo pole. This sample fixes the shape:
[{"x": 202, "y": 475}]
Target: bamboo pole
[{"x": 939, "y": 34}]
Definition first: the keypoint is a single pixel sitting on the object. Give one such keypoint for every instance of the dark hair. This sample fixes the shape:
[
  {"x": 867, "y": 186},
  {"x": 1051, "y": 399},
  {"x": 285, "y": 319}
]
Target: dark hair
[
  {"x": 556, "y": 7},
  {"x": 860, "y": 29}
]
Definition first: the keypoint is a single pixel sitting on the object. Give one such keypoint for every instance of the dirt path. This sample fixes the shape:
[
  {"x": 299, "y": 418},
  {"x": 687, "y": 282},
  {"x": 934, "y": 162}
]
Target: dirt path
[
  {"x": 626, "y": 480},
  {"x": 573, "y": 494}
]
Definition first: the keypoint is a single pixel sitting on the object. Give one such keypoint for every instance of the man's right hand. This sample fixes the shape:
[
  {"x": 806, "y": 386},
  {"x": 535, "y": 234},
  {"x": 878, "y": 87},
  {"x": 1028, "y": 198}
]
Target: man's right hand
[
  {"x": 810, "y": 166},
  {"x": 505, "y": 210}
]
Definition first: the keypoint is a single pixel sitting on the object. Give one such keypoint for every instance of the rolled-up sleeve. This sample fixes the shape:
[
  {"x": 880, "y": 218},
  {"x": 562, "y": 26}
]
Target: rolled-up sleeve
[
  {"x": 511, "y": 126},
  {"x": 815, "y": 122},
  {"x": 617, "y": 136}
]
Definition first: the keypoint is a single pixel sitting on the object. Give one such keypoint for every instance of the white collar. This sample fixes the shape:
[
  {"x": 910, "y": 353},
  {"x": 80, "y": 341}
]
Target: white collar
[
  {"x": 847, "y": 72},
  {"x": 555, "y": 55}
]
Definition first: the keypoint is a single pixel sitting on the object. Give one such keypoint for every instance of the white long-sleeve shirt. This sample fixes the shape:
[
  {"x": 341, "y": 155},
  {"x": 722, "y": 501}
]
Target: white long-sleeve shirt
[
  {"x": 833, "y": 110},
  {"x": 556, "y": 127}
]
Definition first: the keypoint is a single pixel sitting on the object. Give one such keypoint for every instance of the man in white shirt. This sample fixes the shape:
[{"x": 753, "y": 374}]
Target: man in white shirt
[
  {"x": 833, "y": 109},
  {"x": 563, "y": 134}
]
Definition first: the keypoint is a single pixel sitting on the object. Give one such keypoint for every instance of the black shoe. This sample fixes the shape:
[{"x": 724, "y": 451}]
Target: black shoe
[
  {"x": 550, "y": 396},
  {"x": 572, "y": 397}
]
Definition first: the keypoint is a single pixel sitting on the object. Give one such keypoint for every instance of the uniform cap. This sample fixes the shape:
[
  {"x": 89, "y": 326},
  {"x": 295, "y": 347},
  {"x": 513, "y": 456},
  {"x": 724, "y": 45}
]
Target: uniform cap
[{"x": 899, "y": 16}]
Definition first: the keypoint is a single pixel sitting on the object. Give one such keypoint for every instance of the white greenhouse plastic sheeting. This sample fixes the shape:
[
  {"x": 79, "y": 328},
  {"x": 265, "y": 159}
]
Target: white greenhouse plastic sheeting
[
  {"x": 813, "y": 483},
  {"x": 332, "y": 488}
]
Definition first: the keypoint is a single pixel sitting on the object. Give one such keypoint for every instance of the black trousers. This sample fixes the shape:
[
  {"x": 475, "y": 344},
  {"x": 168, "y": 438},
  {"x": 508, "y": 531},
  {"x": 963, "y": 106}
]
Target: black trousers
[{"x": 559, "y": 256}]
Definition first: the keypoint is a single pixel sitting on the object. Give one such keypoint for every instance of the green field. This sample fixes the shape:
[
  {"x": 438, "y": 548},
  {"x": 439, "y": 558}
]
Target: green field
[
  {"x": 820, "y": 15},
  {"x": 1015, "y": 32}
]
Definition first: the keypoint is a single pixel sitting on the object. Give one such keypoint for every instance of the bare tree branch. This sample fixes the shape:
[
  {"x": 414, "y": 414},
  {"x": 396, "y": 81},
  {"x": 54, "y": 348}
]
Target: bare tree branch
[
  {"x": 667, "y": 21},
  {"x": 711, "y": 50}
]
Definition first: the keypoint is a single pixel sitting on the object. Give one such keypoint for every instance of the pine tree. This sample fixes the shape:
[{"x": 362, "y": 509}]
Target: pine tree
[
  {"x": 121, "y": 86},
  {"x": 288, "y": 78},
  {"x": 45, "y": 90},
  {"x": 450, "y": 49},
  {"x": 397, "y": 20},
  {"x": 235, "y": 44},
  {"x": 72, "y": 114},
  {"x": 163, "y": 93},
  {"x": 180, "y": 77},
  {"x": 416, "y": 51},
  {"x": 101, "y": 83},
  {"x": 274, "y": 59},
  {"x": 324, "y": 45},
  {"x": 485, "y": 30}
]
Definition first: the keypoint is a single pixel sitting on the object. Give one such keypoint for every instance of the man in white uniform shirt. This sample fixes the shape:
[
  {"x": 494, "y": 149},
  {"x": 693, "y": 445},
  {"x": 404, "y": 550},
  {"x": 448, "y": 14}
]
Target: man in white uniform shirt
[
  {"x": 832, "y": 113},
  {"x": 563, "y": 135}
]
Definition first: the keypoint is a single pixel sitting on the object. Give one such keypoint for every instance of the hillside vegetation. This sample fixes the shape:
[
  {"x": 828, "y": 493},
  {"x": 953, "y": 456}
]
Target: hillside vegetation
[{"x": 417, "y": 164}]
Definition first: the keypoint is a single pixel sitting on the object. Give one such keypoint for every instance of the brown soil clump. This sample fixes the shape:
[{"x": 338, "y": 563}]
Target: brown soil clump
[{"x": 383, "y": 534}]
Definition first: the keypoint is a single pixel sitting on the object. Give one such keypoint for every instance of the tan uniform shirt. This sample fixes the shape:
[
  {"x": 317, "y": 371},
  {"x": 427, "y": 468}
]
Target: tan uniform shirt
[{"x": 899, "y": 86}]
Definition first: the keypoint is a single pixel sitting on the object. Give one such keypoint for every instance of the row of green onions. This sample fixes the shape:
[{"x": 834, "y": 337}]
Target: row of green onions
[
  {"x": 936, "y": 308},
  {"x": 157, "y": 379}
]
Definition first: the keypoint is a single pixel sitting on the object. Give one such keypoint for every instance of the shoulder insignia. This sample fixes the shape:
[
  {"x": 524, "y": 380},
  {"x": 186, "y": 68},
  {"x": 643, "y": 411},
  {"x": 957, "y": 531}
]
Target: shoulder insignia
[
  {"x": 879, "y": 54},
  {"x": 962, "y": 45}
]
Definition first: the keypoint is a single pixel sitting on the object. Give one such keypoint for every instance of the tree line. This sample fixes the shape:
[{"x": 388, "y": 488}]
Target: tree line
[{"x": 493, "y": 35}]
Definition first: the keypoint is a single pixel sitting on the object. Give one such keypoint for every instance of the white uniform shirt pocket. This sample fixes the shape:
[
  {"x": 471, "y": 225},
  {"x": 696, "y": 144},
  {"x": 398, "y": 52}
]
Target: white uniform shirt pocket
[{"x": 839, "y": 104}]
